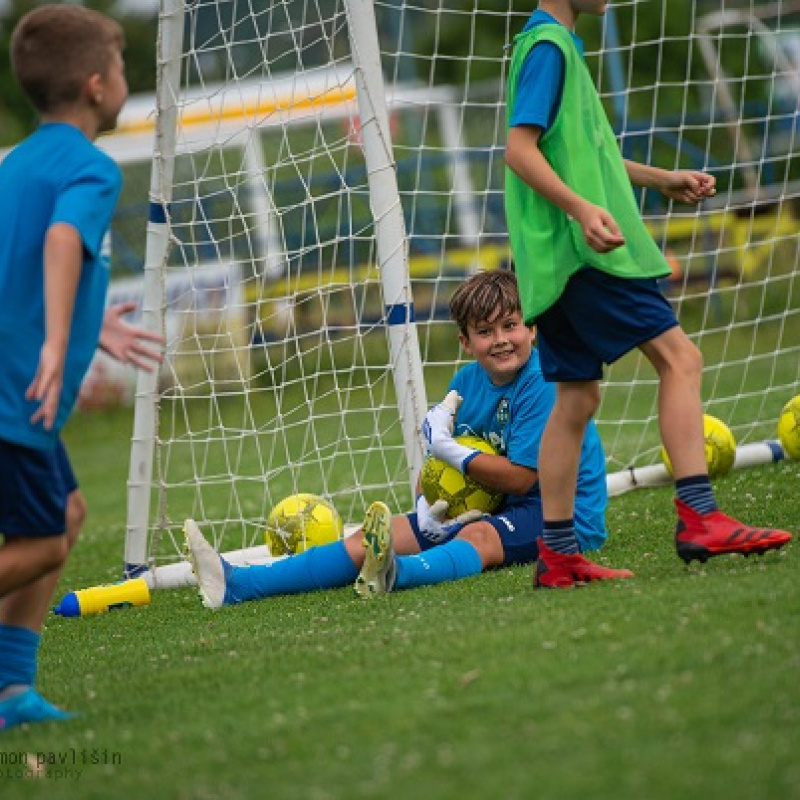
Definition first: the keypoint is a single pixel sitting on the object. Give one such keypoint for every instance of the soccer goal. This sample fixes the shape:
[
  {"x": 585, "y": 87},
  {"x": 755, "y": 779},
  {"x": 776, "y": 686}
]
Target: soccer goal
[{"x": 325, "y": 173}]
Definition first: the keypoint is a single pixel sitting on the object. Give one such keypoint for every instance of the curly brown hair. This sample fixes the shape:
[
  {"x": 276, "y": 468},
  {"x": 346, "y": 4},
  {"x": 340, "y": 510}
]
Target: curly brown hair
[
  {"x": 55, "y": 49},
  {"x": 483, "y": 297}
]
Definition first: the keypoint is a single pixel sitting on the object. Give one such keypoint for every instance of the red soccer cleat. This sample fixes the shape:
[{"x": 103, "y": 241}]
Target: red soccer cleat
[
  {"x": 556, "y": 569},
  {"x": 701, "y": 536}
]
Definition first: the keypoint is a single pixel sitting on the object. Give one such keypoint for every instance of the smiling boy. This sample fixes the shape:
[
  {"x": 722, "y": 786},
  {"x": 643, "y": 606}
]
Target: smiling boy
[{"x": 505, "y": 401}]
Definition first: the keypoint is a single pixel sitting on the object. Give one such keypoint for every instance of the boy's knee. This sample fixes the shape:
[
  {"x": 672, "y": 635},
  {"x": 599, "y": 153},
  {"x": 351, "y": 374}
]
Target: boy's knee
[
  {"x": 592, "y": 399},
  {"x": 579, "y": 401},
  {"x": 52, "y": 552},
  {"x": 485, "y": 539},
  {"x": 75, "y": 516},
  {"x": 686, "y": 361},
  {"x": 675, "y": 352},
  {"x": 693, "y": 359}
]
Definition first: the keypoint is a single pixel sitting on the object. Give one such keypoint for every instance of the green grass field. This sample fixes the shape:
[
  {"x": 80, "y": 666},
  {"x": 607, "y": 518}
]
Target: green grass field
[{"x": 682, "y": 683}]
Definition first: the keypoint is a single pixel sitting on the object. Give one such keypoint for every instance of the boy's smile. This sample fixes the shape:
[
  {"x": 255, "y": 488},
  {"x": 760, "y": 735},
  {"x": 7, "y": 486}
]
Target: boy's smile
[{"x": 502, "y": 346}]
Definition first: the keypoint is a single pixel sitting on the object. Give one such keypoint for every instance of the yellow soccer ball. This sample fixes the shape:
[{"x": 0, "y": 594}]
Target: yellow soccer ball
[
  {"x": 789, "y": 428},
  {"x": 440, "y": 481},
  {"x": 720, "y": 448},
  {"x": 301, "y": 521}
]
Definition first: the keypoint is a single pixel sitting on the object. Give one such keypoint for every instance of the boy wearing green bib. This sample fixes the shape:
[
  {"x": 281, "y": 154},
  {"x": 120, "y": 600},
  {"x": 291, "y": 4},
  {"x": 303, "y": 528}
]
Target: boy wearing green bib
[{"x": 588, "y": 271}]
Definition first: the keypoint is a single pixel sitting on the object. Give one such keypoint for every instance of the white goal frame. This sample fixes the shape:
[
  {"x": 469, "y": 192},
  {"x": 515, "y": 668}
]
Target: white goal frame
[{"x": 188, "y": 118}]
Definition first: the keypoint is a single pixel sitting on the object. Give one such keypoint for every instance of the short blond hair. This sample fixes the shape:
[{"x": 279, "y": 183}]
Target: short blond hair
[
  {"x": 55, "y": 49},
  {"x": 483, "y": 297}
]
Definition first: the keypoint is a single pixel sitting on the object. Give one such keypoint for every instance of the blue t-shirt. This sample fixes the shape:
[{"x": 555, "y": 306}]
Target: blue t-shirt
[
  {"x": 56, "y": 175},
  {"x": 512, "y": 417},
  {"x": 540, "y": 79}
]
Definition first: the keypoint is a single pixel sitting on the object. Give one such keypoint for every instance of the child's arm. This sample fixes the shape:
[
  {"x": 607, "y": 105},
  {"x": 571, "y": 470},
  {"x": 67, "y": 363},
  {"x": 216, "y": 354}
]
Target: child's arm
[
  {"x": 526, "y": 160},
  {"x": 492, "y": 471},
  {"x": 500, "y": 474},
  {"x": 686, "y": 185},
  {"x": 63, "y": 253},
  {"x": 129, "y": 343}
]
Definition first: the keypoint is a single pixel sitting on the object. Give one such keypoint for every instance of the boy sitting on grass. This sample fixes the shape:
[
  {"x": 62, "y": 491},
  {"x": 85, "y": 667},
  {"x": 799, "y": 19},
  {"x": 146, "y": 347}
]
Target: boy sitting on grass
[{"x": 502, "y": 397}]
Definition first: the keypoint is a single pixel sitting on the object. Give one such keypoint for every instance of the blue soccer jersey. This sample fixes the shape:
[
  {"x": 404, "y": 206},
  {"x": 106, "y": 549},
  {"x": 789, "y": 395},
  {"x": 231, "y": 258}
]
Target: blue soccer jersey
[
  {"x": 512, "y": 418},
  {"x": 56, "y": 175}
]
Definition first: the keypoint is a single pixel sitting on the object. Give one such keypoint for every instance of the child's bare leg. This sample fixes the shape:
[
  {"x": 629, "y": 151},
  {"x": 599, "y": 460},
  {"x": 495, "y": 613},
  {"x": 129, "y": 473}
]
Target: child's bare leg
[
  {"x": 703, "y": 531},
  {"x": 560, "y": 562},
  {"x": 25, "y": 561},
  {"x": 22, "y": 614},
  {"x": 560, "y": 450},
  {"x": 27, "y": 606},
  {"x": 679, "y": 365}
]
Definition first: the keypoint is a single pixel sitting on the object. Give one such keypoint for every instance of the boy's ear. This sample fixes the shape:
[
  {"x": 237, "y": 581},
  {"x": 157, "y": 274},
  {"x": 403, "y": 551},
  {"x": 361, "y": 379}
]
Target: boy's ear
[
  {"x": 464, "y": 342},
  {"x": 94, "y": 88}
]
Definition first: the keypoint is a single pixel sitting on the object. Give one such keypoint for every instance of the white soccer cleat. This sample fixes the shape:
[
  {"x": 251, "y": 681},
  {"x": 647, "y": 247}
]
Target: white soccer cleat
[
  {"x": 207, "y": 565},
  {"x": 378, "y": 574}
]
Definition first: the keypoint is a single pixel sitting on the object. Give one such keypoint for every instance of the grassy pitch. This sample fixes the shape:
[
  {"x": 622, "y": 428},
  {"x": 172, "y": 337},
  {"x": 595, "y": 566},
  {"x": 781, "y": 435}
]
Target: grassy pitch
[{"x": 682, "y": 683}]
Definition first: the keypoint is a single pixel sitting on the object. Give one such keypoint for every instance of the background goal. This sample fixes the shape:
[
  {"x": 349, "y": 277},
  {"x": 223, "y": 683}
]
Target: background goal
[{"x": 324, "y": 173}]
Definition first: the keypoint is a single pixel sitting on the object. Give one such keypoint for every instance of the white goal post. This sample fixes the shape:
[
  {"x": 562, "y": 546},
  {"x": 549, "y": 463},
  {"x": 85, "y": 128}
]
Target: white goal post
[{"x": 325, "y": 172}]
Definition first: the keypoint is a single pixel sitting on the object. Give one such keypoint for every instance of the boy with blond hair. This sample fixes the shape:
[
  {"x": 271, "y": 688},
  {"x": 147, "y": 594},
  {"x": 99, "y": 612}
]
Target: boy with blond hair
[{"x": 57, "y": 195}]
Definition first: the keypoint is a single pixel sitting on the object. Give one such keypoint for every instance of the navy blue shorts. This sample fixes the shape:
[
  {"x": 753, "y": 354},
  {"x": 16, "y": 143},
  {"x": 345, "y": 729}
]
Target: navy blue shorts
[
  {"x": 518, "y": 526},
  {"x": 34, "y": 487},
  {"x": 598, "y": 319}
]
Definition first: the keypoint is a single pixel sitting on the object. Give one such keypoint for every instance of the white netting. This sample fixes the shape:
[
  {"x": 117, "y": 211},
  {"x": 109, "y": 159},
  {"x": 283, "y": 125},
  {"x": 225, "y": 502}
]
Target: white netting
[{"x": 280, "y": 375}]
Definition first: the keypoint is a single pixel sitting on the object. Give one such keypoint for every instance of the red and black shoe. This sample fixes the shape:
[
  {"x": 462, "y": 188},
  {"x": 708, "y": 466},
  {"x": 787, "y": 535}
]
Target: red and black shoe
[
  {"x": 557, "y": 570},
  {"x": 702, "y": 536}
]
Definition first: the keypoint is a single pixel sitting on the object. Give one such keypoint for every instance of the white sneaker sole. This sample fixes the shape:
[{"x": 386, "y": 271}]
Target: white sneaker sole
[
  {"x": 206, "y": 565},
  {"x": 378, "y": 573}
]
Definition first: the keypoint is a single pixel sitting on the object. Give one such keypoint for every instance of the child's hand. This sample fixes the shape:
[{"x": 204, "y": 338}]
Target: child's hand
[
  {"x": 46, "y": 386},
  {"x": 127, "y": 343},
  {"x": 439, "y": 420},
  {"x": 599, "y": 228},
  {"x": 433, "y": 523},
  {"x": 438, "y": 432},
  {"x": 688, "y": 186}
]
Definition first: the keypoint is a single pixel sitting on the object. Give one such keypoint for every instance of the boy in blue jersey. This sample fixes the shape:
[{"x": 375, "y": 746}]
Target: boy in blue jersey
[
  {"x": 588, "y": 271},
  {"x": 505, "y": 401},
  {"x": 57, "y": 195}
]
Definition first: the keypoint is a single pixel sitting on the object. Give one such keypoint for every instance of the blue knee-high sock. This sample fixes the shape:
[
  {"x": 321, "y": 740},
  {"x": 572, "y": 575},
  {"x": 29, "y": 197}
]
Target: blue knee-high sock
[
  {"x": 449, "y": 562},
  {"x": 18, "y": 648},
  {"x": 323, "y": 567}
]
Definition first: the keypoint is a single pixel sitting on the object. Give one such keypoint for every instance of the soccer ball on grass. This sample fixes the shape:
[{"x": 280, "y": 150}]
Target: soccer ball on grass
[
  {"x": 720, "y": 448},
  {"x": 789, "y": 428},
  {"x": 440, "y": 481},
  {"x": 301, "y": 521}
]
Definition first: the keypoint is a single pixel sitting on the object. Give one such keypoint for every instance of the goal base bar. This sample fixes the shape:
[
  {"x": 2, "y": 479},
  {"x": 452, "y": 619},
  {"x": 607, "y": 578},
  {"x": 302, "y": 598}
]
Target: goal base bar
[{"x": 747, "y": 455}]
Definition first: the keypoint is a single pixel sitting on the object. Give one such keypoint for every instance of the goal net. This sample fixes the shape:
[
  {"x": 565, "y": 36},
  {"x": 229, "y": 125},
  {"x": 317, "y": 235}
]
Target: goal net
[{"x": 325, "y": 172}]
